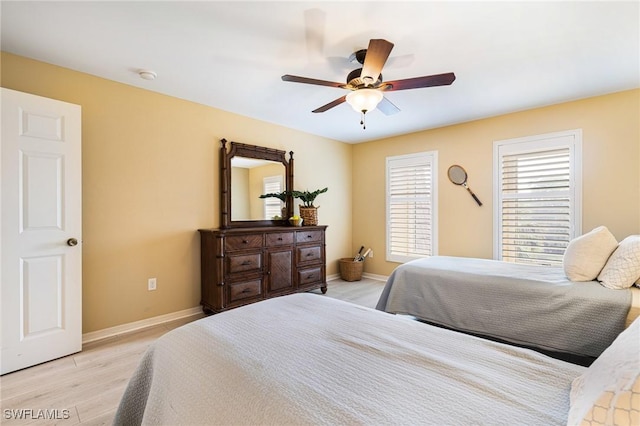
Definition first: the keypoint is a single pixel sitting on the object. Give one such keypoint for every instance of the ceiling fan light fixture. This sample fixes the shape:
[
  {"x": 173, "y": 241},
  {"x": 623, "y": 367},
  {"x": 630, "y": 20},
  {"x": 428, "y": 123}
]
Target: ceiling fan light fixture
[{"x": 363, "y": 100}]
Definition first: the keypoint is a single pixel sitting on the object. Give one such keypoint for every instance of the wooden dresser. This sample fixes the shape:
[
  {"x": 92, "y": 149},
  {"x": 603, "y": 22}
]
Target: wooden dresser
[{"x": 245, "y": 265}]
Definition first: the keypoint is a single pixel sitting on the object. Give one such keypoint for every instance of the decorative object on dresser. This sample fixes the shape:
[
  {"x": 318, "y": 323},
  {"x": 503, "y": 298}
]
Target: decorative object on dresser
[
  {"x": 245, "y": 261},
  {"x": 295, "y": 220},
  {"x": 308, "y": 211},
  {"x": 282, "y": 196}
]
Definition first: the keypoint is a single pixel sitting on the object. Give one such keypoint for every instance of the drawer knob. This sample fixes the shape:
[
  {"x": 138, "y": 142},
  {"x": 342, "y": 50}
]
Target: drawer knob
[
  {"x": 279, "y": 238},
  {"x": 309, "y": 254},
  {"x": 309, "y": 236},
  {"x": 246, "y": 290},
  {"x": 245, "y": 242},
  {"x": 246, "y": 262}
]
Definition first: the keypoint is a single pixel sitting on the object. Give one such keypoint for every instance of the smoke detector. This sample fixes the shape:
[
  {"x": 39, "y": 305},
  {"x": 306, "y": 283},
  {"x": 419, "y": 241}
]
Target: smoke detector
[{"x": 147, "y": 74}]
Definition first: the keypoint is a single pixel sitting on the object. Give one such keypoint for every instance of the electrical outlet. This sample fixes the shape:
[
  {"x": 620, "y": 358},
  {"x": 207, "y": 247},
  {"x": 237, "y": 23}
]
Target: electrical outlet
[
  {"x": 371, "y": 253},
  {"x": 152, "y": 284}
]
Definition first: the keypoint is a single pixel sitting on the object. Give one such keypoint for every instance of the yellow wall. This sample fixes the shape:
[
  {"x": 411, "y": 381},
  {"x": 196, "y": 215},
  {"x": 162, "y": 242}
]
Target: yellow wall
[
  {"x": 150, "y": 180},
  {"x": 239, "y": 194},
  {"x": 611, "y": 173}
]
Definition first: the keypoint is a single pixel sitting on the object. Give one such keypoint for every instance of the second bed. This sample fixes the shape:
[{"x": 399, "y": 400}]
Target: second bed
[{"x": 532, "y": 306}]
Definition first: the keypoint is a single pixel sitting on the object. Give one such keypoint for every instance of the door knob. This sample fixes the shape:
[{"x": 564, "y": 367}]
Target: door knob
[{"x": 72, "y": 242}]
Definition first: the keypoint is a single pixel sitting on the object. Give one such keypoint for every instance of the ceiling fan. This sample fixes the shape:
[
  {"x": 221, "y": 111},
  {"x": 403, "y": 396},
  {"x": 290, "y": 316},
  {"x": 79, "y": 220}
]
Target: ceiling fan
[{"x": 366, "y": 83}]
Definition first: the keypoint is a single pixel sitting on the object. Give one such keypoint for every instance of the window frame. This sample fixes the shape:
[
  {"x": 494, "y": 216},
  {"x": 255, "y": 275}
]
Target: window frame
[
  {"x": 426, "y": 157},
  {"x": 571, "y": 139}
]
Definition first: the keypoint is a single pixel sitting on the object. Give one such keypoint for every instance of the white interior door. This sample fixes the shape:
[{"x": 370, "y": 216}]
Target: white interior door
[{"x": 41, "y": 230}]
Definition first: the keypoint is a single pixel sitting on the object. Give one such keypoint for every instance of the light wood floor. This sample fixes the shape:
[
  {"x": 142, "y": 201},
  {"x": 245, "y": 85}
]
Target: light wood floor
[{"x": 85, "y": 388}]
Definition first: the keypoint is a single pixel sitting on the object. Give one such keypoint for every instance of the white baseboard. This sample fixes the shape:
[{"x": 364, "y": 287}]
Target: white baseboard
[
  {"x": 375, "y": 276},
  {"x": 364, "y": 274},
  {"x": 139, "y": 325}
]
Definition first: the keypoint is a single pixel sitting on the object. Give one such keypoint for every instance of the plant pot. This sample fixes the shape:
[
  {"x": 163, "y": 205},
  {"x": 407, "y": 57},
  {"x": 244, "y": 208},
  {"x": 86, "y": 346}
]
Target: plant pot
[{"x": 309, "y": 215}]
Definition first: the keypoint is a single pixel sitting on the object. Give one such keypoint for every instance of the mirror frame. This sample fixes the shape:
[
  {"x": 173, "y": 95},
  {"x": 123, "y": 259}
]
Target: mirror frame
[{"x": 237, "y": 149}]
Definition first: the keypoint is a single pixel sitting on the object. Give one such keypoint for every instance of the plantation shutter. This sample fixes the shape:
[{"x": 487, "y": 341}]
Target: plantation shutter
[
  {"x": 272, "y": 206},
  {"x": 537, "y": 203},
  {"x": 410, "y": 207}
]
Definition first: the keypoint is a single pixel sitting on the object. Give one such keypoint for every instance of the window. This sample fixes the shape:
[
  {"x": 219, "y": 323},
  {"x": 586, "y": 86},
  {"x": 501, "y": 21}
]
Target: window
[
  {"x": 411, "y": 206},
  {"x": 537, "y": 197},
  {"x": 272, "y": 206}
]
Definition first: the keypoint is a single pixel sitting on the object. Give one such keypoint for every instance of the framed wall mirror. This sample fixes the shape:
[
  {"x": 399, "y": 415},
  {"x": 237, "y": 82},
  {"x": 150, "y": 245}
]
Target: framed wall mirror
[{"x": 246, "y": 172}]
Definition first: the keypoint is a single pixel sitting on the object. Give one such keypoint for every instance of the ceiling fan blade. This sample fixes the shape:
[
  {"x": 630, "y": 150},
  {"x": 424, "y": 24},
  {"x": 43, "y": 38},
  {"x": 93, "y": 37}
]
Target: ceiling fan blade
[
  {"x": 387, "y": 107},
  {"x": 296, "y": 79},
  {"x": 377, "y": 54},
  {"x": 418, "y": 82},
  {"x": 331, "y": 104}
]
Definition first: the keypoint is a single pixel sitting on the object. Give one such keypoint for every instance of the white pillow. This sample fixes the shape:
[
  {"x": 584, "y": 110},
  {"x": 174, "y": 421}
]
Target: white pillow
[
  {"x": 587, "y": 254},
  {"x": 623, "y": 267},
  {"x": 609, "y": 391}
]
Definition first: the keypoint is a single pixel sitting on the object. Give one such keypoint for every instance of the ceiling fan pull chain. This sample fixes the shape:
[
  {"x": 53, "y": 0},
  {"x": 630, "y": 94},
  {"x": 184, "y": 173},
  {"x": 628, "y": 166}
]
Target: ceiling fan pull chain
[{"x": 362, "y": 123}]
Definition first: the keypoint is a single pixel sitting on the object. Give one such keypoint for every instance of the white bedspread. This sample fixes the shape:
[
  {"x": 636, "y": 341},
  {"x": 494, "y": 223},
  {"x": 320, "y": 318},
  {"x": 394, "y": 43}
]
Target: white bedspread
[{"x": 310, "y": 359}]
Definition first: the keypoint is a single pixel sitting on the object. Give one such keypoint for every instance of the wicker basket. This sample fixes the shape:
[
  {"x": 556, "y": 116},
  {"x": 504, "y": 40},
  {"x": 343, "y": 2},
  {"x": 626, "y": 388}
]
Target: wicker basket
[
  {"x": 350, "y": 270},
  {"x": 309, "y": 216}
]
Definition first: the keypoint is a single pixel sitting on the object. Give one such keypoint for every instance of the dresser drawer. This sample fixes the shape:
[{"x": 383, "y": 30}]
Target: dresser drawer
[
  {"x": 279, "y": 239},
  {"x": 308, "y": 254},
  {"x": 245, "y": 290},
  {"x": 241, "y": 242},
  {"x": 309, "y": 276},
  {"x": 309, "y": 236},
  {"x": 249, "y": 262}
]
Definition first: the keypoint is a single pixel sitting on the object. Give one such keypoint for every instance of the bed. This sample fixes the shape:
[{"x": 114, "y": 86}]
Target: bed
[
  {"x": 529, "y": 305},
  {"x": 309, "y": 359}
]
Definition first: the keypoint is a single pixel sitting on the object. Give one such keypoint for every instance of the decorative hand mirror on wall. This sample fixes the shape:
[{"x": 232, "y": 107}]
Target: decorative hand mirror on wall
[{"x": 246, "y": 172}]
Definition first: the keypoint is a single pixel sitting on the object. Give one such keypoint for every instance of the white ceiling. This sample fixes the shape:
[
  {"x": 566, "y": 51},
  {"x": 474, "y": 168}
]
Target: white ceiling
[{"x": 507, "y": 56}]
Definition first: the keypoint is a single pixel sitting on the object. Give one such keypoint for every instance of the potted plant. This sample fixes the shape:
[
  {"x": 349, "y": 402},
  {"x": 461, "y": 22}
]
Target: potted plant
[
  {"x": 282, "y": 196},
  {"x": 308, "y": 211}
]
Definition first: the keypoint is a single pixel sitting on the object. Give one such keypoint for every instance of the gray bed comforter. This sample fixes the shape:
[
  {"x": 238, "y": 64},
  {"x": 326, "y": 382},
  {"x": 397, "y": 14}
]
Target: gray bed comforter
[
  {"x": 536, "y": 306},
  {"x": 309, "y": 359}
]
